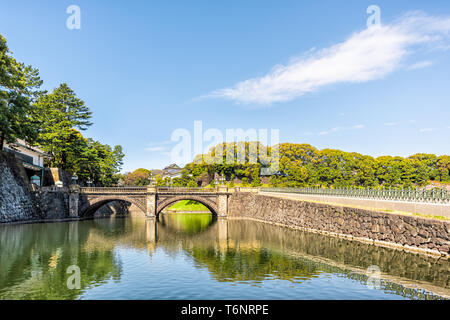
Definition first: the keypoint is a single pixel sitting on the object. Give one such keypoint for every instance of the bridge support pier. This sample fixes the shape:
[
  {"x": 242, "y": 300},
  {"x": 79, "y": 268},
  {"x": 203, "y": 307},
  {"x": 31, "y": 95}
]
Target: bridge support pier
[
  {"x": 222, "y": 201},
  {"x": 74, "y": 200},
  {"x": 150, "y": 199}
]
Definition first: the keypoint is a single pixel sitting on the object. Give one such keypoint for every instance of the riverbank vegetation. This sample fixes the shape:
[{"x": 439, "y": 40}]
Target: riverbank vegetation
[
  {"x": 53, "y": 121},
  {"x": 302, "y": 165}
]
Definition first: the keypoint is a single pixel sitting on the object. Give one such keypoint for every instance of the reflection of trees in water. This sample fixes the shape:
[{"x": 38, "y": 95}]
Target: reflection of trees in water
[
  {"x": 252, "y": 249},
  {"x": 186, "y": 223},
  {"x": 34, "y": 260},
  {"x": 251, "y": 265},
  {"x": 345, "y": 252}
]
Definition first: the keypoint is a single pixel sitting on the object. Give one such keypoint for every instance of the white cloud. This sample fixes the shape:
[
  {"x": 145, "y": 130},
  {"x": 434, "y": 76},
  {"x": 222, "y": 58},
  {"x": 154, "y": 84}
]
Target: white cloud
[
  {"x": 367, "y": 55},
  {"x": 420, "y": 65}
]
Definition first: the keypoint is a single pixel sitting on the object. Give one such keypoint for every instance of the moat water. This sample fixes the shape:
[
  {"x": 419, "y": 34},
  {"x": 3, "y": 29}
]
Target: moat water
[{"x": 195, "y": 256}]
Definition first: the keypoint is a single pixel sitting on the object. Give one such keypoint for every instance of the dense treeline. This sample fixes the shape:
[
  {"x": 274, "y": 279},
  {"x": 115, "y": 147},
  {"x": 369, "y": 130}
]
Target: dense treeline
[
  {"x": 52, "y": 121},
  {"x": 302, "y": 165}
]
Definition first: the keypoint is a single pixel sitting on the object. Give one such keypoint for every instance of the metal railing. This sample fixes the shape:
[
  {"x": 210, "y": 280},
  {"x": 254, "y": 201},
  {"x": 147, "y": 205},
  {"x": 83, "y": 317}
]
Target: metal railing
[
  {"x": 185, "y": 189},
  {"x": 112, "y": 189},
  {"x": 412, "y": 195}
]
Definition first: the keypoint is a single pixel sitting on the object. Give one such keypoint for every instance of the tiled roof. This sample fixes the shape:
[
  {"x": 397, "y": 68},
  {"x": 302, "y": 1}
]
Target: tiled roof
[{"x": 24, "y": 144}]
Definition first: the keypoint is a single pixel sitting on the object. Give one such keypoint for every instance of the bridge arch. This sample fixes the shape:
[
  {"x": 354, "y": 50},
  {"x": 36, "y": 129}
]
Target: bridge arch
[
  {"x": 92, "y": 205},
  {"x": 210, "y": 204}
]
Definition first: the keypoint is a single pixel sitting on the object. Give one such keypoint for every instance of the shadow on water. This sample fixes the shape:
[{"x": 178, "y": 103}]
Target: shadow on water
[{"x": 34, "y": 258}]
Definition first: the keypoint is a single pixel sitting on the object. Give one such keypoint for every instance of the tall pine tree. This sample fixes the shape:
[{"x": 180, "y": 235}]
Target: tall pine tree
[
  {"x": 60, "y": 114},
  {"x": 19, "y": 87}
]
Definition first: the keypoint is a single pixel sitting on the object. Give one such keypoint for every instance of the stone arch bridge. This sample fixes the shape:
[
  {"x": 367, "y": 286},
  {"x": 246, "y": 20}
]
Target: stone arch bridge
[{"x": 83, "y": 202}]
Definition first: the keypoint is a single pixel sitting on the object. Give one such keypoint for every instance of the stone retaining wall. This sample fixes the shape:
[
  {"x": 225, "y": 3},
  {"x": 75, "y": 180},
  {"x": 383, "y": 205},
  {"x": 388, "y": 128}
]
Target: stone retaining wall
[
  {"x": 16, "y": 200},
  {"x": 19, "y": 202},
  {"x": 52, "y": 204},
  {"x": 430, "y": 208},
  {"x": 409, "y": 232}
]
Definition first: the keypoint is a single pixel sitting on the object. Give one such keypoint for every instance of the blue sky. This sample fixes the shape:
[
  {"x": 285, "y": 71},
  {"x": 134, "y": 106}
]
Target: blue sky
[{"x": 308, "y": 68}]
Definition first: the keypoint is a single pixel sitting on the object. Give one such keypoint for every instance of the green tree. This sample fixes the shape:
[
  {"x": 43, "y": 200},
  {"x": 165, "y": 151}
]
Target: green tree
[
  {"x": 159, "y": 181},
  {"x": 137, "y": 178},
  {"x": 231, "y": 183},
  {"x": 19, "y": 87},
  {"x": 59, "y": 113},
  {"x": 256, "y": 181},
  {"x": 191, "y": 184}
]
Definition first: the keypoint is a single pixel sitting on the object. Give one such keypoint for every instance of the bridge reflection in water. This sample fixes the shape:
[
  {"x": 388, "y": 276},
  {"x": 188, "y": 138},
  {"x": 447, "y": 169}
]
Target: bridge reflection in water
[{"x": 34, "y": 258}]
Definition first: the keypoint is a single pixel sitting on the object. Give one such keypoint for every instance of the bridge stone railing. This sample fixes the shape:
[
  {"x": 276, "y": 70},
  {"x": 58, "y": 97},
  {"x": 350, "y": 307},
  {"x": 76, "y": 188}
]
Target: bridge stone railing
[
  {"x": 410, "y": 195},
  {"x": 187, "y": 190},
  {"x": 113, "y": 190},
  {"x": 93, "y": 190}
]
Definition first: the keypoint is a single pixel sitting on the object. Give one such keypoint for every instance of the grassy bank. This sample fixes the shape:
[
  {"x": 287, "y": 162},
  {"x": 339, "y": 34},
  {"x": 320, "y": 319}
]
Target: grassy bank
[{"x": 188, "y": 205}]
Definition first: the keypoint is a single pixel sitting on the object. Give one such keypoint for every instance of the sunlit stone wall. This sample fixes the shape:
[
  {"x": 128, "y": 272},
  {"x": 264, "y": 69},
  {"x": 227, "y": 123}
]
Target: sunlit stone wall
[{"x": 409, "y": 232}]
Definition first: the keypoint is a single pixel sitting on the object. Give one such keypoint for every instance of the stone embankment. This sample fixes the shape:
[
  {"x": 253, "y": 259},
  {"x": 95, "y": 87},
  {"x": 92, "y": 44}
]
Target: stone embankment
[
  {"x": 20, "y": 202},
  {"x": 394, "y": 230},
  {"x": 16, "y": 199}
]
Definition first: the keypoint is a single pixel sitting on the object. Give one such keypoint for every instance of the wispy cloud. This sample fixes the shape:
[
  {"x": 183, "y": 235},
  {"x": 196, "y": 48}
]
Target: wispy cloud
[
  {"x": 160, "y": 142},
  {"x": 420, "y": 65},
  {"x": 366, "y": 55},
  {"x": 158, "y": 146},
  {"x": 338, "y": 129},
  {"x": 153, "y": 149},
  {"x": 426, "y": 130}
]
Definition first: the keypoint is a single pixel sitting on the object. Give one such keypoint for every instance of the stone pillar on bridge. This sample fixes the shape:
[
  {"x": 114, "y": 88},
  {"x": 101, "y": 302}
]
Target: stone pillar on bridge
[
  {"x": 74, "y": 200},
  {"x": 150, "y": 199},
  {"x": 222, "y": 201}
]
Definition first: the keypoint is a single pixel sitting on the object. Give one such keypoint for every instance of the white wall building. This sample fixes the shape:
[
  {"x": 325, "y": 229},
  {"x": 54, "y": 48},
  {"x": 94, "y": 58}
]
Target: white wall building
[{"x": 32, "y": 158}]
